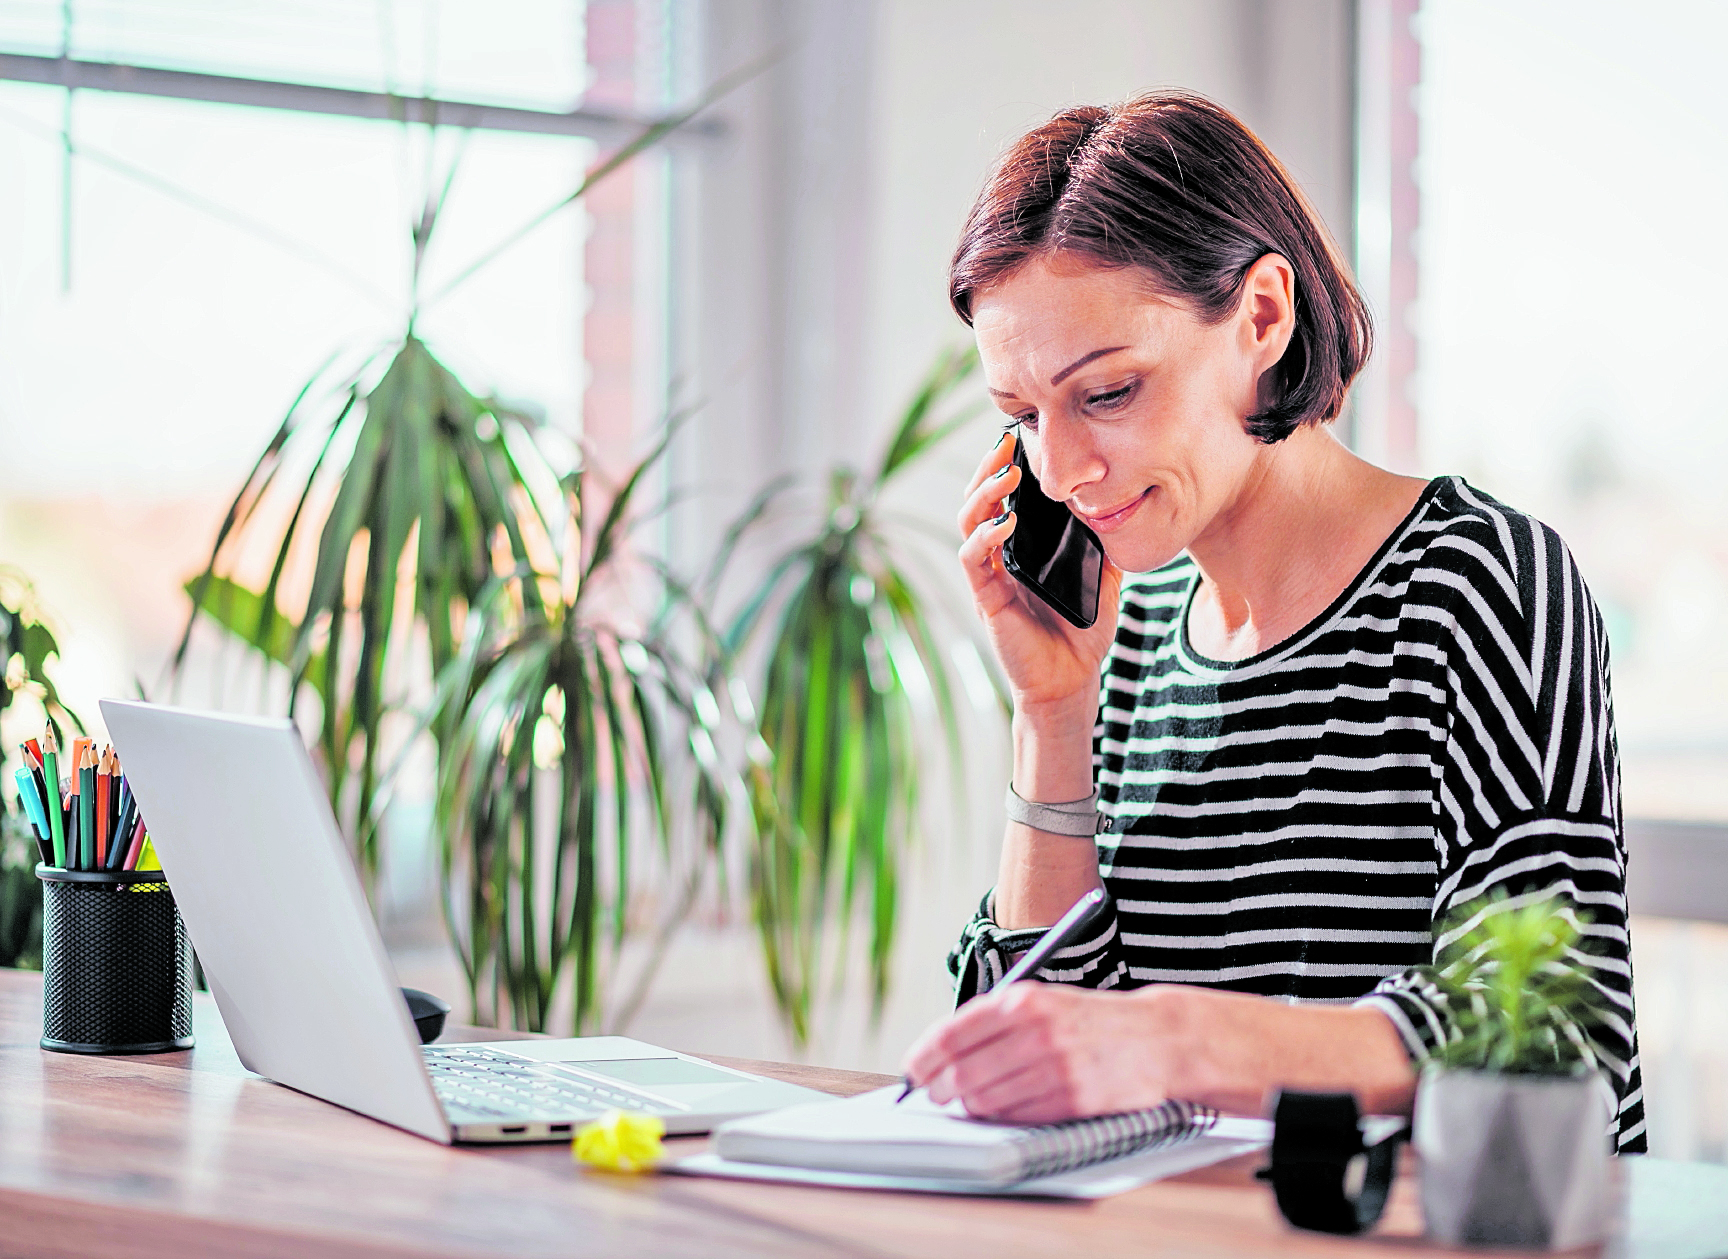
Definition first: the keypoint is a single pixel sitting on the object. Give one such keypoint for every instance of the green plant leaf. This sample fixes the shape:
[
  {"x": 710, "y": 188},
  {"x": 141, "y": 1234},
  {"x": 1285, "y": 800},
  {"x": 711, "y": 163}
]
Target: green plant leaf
[
  {"x": 606, "y": 537},
  {"x": 416, "y": 465},
  {"x": 26, "y": 639},
  {"x": 917, "y": 430},
  {"x": 250, "y": 618},
  {"x": 848, "y": 644},
  {"x": 1515, "y": 974},
  {"x": 647, "y": 139},
  {"x": 622, "y": 703}
]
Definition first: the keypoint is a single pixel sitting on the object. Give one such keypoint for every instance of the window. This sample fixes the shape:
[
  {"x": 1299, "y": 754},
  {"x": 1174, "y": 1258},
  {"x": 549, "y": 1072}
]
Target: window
[
  {"x": 166, "y": 292},
  {"x": 1574, "y": 171},
  {"x": 1574, "y": 176},
  {"x": 164, "y": 295}
]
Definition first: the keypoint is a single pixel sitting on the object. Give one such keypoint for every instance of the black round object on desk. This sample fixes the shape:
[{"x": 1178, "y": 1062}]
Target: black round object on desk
[
  {"x": 428, "y": 1013},
  {"x": 116, "y": 963},
  {"x": 1316, "y": 1138}
]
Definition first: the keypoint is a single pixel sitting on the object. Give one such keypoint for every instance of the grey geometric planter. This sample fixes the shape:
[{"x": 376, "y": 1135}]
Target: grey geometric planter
[{"x": 1514, "y": 1160}]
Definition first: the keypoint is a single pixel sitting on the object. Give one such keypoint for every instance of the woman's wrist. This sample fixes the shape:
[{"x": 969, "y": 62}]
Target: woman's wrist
[{"x": 1053, "y": 749}]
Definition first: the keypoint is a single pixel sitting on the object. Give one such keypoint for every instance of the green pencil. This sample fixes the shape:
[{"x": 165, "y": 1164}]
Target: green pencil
[
  {"x": 51, "y": 775},
  {"x": 87, "y": 811}
]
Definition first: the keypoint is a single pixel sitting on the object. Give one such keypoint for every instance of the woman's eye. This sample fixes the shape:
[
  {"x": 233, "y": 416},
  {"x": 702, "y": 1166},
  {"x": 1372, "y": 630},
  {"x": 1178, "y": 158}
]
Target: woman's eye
[
  {"x": 1029, "y": 420},
  {"x": 1109, "y": 401}
]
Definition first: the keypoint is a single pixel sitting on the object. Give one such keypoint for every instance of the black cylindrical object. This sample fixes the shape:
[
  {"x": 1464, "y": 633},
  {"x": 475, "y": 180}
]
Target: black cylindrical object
[{"x": 116, "y": 963}]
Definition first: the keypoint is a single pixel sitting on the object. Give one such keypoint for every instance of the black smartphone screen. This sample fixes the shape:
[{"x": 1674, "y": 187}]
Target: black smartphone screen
[{"x": 1051, "y": 552}]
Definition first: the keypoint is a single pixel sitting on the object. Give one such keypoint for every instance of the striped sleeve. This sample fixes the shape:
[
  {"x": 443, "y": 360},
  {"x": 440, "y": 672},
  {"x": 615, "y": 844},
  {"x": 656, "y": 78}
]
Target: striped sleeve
[
  {"x": 1528, "y": 791},
  {"x": 986, "y": 952}
]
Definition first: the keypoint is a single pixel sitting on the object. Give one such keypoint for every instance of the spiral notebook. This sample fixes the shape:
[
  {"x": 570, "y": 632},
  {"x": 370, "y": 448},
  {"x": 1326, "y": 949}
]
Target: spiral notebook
[{"x": 870, "y": 1142}]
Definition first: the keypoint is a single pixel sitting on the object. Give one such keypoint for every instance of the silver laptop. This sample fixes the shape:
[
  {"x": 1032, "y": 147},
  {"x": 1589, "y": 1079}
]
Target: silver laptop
[{"x": 268, "y": 891}]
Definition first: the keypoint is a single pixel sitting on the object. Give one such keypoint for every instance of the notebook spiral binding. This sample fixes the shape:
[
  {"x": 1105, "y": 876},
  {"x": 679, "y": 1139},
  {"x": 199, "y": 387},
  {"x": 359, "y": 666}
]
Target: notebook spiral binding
[{"x": 1061, "y": 1147}]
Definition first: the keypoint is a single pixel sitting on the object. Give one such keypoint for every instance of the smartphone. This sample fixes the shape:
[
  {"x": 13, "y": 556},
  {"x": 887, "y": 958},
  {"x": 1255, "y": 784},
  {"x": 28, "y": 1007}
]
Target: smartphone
[{"x": 1051, "y": 552}]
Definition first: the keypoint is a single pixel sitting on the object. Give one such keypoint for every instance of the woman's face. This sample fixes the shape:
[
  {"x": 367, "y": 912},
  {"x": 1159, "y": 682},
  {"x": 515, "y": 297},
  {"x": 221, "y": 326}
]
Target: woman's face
[{"x": 1131, "y": 409}]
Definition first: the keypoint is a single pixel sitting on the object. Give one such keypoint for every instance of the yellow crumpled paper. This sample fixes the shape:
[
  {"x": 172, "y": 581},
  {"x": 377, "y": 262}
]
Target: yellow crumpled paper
[{"x": 619, "y": 1142}]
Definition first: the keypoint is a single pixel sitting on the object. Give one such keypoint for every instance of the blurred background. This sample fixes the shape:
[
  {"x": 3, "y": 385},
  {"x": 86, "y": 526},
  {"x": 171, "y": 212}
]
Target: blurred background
[{"x": 205, "y": 202}]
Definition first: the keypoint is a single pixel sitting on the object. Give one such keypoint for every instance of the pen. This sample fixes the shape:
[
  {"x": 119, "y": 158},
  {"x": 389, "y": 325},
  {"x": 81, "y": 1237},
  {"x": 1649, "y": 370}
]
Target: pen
[
  {"x": 36, "y": 813},
  {"x": 1067, "y": 928},
  {"x": 33, "y": 758}
]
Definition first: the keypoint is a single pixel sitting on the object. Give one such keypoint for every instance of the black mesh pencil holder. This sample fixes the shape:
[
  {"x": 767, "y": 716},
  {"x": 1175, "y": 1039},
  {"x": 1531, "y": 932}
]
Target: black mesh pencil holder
[{"x": 116, "y": 964}]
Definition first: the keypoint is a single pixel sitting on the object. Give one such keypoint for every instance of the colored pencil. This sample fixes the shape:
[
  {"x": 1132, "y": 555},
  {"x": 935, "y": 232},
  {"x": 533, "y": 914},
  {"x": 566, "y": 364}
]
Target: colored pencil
[
  {"x": 104, "y": 787},
  {"x": 114, "y": 783},
  {"x": 88, "y": 820},
  {"x": 51, "y": 774},
  {"x": 98, "y": 809},
  {"x": 122, "y": 828},
  {"x": 87, "y": 808}
]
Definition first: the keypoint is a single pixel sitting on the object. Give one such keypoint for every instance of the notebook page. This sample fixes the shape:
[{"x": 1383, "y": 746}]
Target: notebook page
[
  {"x": 872, "y": 1134},
  {"x": 1102, "y": 1180},
  {"x": 872, "y": 1117}
]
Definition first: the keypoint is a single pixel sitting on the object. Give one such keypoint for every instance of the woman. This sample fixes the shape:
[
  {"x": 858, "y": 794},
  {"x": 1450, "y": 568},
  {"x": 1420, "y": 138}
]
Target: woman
[{"x": 1336, "y": 703}]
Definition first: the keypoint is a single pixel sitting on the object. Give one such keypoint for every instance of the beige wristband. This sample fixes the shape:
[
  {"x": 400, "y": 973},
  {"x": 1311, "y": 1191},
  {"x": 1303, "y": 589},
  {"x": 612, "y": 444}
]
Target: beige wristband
[{"x": 1079, "y": 818}]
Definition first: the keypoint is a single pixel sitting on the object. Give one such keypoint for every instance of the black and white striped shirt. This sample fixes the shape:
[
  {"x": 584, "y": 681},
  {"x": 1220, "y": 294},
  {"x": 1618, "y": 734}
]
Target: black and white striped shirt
[{"x": 1300, "y": 823}]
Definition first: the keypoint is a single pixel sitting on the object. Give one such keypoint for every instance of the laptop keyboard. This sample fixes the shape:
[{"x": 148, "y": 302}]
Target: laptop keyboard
[{"x": 481, "y": 1083}]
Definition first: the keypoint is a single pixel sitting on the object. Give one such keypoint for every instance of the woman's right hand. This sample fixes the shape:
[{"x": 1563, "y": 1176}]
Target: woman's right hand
[{"x": 1049, "y": 663}]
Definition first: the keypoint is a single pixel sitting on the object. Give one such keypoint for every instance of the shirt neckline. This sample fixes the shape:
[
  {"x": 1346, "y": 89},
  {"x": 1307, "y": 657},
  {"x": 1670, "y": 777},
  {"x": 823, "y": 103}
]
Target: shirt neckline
[{"x": 1294, "y": 641}]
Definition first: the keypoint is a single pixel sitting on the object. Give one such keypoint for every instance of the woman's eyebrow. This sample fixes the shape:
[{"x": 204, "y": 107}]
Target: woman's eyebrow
[
  {"x": 1078, "y": 363},
  {"x": 1067, "y": 371}
]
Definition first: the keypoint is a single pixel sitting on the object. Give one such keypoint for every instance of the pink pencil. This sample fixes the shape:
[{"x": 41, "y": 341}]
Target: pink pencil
[{"x": 137, "y": 848}]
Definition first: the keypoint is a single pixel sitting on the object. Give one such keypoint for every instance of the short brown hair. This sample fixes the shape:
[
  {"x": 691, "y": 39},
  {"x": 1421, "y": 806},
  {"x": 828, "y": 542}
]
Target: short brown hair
[{"x": 1176, "y": 185}]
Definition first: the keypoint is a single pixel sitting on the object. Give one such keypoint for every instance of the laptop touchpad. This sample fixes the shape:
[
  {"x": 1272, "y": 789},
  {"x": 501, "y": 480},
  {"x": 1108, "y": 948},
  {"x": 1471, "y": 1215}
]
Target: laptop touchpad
[{"x": 649, "y": 1072}]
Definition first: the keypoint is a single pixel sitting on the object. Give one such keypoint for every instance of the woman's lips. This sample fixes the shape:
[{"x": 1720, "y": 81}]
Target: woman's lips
[{"x": 1110, "y": 521}]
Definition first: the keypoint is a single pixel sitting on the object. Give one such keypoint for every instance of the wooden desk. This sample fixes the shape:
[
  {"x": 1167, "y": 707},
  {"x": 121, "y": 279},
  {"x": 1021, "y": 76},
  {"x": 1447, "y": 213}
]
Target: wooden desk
[{"x": 187, "y": 1154}]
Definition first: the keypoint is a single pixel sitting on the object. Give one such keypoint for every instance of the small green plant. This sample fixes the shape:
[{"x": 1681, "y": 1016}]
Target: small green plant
[
  {"x": 27, "y": 644},
  {"x": 20, "y": 895},
  {"x": 1516, "y": 978}
]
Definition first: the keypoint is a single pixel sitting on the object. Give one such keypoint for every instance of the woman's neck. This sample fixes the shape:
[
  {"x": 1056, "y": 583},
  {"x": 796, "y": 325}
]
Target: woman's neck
[{"x": 1304, "y": 525}]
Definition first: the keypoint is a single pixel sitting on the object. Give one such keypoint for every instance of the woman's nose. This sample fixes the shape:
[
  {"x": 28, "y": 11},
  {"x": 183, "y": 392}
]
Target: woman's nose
[{"x": 1065, "y": 463}]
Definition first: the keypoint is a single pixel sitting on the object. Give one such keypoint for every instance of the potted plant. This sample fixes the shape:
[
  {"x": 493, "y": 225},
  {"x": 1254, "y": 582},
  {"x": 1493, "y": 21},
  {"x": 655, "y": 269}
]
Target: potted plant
[
  {"x": 846, "y": 645},
  {"x": 1513, "y": 1113},
  {"x": 577, "y": 749},
  {"x": 399, "y": 517},
  {"x": 407, "y": 495}
]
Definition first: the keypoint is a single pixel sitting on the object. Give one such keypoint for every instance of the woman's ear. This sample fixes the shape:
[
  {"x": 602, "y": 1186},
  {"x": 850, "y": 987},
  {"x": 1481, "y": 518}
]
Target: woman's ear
[{"x": 1268, "y": 312}]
